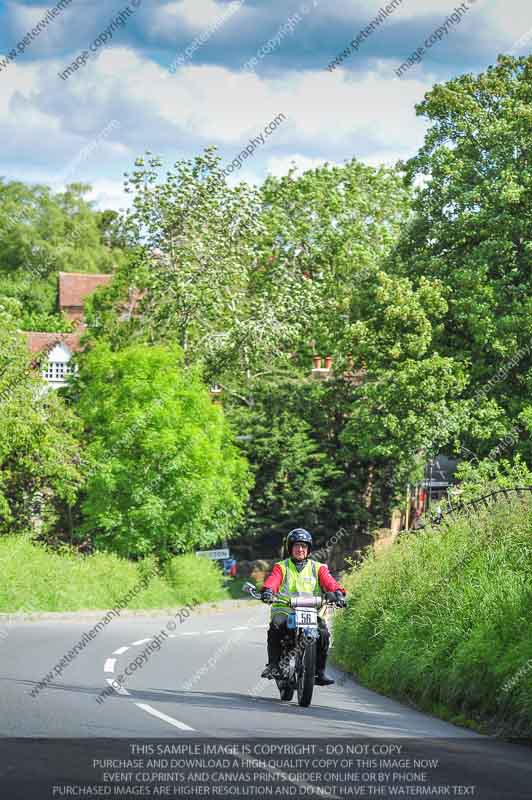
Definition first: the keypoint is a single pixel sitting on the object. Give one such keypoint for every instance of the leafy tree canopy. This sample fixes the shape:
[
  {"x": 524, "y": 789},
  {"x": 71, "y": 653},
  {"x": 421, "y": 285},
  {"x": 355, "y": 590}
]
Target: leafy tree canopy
[
  {"x": 194, "y": 253},
  {"x": 163, "y": 475},
  {"x": 39, "y": 449},
  {"x": 472, "y": 231},
  {"x": 43, "y": 233}
]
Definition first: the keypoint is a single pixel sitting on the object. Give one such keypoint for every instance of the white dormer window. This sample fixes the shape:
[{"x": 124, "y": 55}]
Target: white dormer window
[
  {"x": 57, "y": 370},
  {"x": 58, "y": 366}
]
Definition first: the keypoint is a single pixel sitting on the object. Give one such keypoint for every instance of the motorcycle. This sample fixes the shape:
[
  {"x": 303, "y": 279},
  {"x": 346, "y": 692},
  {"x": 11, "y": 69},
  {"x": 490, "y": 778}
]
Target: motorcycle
[{"x": 299, "y": 648}]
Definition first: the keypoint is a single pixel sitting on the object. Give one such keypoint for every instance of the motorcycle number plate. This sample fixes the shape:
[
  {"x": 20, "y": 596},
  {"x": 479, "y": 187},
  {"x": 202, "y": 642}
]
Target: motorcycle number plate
[{"x": 306, "y": 617}]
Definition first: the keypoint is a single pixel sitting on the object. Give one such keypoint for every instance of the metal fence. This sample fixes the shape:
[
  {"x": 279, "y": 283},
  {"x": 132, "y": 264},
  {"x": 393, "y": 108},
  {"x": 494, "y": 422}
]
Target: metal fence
[{"x": 486, "y": 500}]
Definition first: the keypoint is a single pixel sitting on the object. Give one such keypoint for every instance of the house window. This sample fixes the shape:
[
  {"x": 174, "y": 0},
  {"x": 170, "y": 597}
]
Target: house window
[{"x": 57, "y": 370}]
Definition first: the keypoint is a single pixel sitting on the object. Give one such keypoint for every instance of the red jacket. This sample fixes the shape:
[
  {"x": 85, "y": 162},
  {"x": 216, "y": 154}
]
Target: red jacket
[{"x": 327, "y": 582}]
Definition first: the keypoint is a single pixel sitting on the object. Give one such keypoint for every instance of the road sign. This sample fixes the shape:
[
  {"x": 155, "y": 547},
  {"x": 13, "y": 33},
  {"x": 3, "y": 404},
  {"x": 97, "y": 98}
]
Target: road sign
[{"x": 215, "y": 555}]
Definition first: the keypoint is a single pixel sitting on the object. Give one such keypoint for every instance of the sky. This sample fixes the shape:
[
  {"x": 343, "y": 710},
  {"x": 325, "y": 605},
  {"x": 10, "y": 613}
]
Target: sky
[{"x": 173, "y": 77}]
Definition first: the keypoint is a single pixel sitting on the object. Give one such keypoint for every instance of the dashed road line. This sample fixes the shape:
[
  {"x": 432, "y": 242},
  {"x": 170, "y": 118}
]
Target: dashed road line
[
  {"x": 171, "y": 721},
  {"x": 110, "y": 663}
]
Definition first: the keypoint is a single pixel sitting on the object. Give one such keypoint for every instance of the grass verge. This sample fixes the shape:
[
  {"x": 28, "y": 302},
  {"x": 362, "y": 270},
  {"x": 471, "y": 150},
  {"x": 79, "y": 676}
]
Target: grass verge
[
  {"x": 442, "y": 620},
  {"x": 34, "y": 578}
]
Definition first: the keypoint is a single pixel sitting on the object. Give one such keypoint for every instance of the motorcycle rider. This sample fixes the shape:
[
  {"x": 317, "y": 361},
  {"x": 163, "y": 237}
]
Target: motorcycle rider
[{"x": 298, "y": 573}]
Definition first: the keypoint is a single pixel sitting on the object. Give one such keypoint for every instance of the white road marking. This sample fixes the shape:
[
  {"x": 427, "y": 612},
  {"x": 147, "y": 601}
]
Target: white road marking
[
  {"x": 218, "y": 631},
  {"x": 171, "y": 721},
  {"x": 171, "y": 635},
  {"x": 109, "y": 665},
  {"x": 191, "y": 633},
  {"x": 141, "y": 641},
  {"x": 120, "y": 651},
  {"x": 120, "y": 689},
  {"x": 241, "y": 628},
  {"x": 260, "y": 626}
]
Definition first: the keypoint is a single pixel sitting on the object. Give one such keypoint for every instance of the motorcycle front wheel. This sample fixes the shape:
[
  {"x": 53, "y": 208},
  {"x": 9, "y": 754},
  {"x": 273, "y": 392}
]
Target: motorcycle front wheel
[
  {"x": 286, "y": 690},
  {"x": 306, "y": 673}
]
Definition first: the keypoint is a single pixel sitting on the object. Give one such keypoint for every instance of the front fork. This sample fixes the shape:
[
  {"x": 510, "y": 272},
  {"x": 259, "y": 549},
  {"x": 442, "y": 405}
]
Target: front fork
[{"x": 293, "y": 650}]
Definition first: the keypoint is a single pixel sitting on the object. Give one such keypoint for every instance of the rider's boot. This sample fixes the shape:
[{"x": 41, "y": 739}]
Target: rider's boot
[
  {"x": 271, "y": 669},
  {"x": 321, "y": 678}
]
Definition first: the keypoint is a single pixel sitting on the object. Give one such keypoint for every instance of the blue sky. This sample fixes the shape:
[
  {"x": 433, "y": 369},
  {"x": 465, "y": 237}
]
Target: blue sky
[{"x": 124, "y": 100}]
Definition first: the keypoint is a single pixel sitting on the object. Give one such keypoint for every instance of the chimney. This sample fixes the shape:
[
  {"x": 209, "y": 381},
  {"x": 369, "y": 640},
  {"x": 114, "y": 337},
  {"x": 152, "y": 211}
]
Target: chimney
[{"x": 319, "y": 372}]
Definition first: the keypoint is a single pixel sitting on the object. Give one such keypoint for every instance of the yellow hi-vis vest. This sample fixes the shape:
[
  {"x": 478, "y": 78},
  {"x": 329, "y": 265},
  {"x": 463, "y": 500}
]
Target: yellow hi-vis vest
[{"x": 305, "y": 583}]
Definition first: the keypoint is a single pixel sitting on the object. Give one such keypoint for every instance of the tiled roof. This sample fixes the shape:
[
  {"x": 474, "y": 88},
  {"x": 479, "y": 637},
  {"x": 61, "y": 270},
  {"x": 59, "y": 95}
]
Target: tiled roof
[
  {"x": 44, "y": 342},
  {"x": 74, "y": 287}
]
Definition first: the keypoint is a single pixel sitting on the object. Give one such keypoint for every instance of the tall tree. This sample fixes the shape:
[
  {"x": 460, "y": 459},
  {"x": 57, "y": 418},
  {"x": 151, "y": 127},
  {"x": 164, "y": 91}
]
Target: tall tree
[
  {"x": 472, "y": 231},
  {"x": 197, "y": 261}
]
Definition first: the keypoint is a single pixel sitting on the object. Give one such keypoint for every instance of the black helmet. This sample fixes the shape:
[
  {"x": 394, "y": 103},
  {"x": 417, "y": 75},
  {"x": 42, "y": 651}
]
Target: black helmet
[{"x": 298, "y": 535}]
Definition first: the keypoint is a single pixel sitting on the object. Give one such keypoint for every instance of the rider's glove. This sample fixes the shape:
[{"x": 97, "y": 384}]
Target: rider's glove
[
  {"x": 340, "y": 599},
  {"x": 330, "y": 597},
  {"x": 266, "y": 596}
]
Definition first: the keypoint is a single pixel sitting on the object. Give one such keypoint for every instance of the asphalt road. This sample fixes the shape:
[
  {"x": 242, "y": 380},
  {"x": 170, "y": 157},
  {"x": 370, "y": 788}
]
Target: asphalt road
[{"x": 204, "y": 681}]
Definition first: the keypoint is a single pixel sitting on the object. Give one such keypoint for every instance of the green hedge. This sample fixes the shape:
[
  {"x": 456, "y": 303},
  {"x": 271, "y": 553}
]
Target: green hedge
[
  {"x": 443, "y": 618},
  {"x": 35, "y": 578}
]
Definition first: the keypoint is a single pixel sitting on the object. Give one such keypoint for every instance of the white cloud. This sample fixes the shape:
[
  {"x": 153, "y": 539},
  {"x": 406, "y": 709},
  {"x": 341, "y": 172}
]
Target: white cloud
[
  {"x": 16, "y": 80},
  {"x": 109, "y": 194},
  {"x": 197, "y": 14},
  {"x": 336, "y": 115},
  {"x": 323, "y": 108}
]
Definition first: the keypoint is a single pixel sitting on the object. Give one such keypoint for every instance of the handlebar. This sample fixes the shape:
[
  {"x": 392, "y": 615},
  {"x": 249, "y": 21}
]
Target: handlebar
[{"x": 309, "y": 602}]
